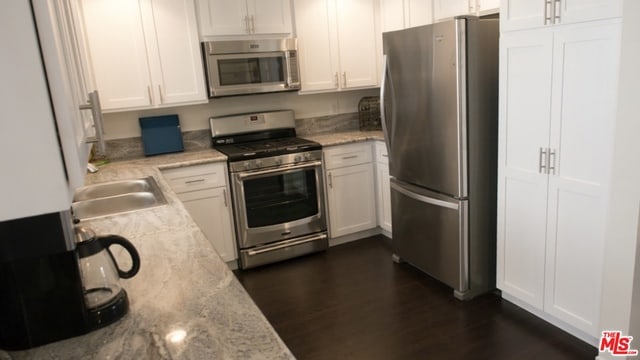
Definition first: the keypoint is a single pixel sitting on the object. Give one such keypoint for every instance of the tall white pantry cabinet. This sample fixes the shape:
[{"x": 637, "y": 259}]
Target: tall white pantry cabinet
[{"x": 558, "y": 88}]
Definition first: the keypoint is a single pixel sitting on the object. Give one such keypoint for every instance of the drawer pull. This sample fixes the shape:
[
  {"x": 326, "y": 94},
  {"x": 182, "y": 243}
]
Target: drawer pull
[
  {"x": 194, "y": 181},
  {"x": 385, "y": 155},
  {"x": 349, "y": 157}
]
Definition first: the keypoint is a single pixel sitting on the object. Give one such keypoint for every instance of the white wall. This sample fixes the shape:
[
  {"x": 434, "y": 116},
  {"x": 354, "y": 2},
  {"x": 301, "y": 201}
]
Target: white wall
[
  {"x": 622, "y": 221},
  {"x": 195, "y": 117}
]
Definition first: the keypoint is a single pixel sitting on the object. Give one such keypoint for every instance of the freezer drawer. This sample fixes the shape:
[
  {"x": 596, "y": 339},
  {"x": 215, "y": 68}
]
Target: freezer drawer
[{"x": 430, "y": 232}]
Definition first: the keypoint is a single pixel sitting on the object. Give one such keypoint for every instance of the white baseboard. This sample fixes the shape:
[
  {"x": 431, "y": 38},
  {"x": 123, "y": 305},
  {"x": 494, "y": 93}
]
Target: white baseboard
[
  {"x": 353, "y": 237},
  {"x": 589, "y": 339}
]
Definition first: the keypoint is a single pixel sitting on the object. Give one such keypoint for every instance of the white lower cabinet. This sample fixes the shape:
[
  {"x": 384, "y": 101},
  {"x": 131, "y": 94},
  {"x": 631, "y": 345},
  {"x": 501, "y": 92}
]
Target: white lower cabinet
[
  {"x": 203, "y": 192},
  {"x": 350, "y": 189},
  {"x": 383, "y": 187}
]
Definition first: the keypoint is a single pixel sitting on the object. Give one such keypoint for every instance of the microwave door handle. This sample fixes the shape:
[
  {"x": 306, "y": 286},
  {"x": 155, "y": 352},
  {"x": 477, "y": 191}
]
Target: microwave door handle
[{"x": 287, "y": 61}]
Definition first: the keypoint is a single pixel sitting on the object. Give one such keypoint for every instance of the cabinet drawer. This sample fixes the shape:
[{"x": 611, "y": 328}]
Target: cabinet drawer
[
  {"x": 381, "y": 153},
  {"x": 196, "y": 177},
  {"x": 347, "y": 155}
]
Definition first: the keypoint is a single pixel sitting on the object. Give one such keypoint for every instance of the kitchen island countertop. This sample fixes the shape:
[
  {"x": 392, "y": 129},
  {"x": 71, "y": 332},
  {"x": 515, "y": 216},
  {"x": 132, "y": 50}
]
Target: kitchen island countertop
[{"x": 185, "y": 302}]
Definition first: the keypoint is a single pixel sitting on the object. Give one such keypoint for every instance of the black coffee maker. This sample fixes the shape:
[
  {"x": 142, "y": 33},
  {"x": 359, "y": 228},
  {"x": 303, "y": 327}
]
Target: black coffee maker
[{"x": 42, "y": 295}]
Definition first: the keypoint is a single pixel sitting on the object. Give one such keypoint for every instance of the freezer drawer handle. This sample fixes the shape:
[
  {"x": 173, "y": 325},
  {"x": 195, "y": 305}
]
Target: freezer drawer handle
[{"x": 422, "y": 198}]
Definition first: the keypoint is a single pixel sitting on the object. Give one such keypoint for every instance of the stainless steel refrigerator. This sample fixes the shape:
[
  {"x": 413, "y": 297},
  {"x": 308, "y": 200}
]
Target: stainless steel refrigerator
[{"x": 439, "y": 99}]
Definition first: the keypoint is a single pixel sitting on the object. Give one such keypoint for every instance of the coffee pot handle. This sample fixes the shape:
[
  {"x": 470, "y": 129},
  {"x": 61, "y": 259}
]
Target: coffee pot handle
[{"x": 109, "y": 240}]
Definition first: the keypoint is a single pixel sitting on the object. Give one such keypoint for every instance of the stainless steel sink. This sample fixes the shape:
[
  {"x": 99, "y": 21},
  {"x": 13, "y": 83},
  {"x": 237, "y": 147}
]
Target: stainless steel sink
[{"x": 116, "y": 197}]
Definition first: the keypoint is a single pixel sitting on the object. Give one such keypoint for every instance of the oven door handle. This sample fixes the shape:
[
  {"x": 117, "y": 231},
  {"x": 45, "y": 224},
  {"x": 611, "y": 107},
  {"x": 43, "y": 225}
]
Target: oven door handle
[
  {"x": 286, "y": 244},
  {"x": 244, "y": 175}
]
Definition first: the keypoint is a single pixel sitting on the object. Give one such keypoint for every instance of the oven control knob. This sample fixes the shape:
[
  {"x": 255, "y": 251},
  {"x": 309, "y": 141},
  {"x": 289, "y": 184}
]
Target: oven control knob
[
  {"x": 297, "y": 158},
  {"x": 278, "y": 161},
  {"x": 247, "y": 165},
  {"x": 307, "y": 156},
  {"x": 258, "y": 163}
]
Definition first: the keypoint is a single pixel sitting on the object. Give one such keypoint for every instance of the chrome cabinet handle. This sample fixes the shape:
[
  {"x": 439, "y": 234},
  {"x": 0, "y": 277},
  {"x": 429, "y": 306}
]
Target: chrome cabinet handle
[
  {"x": 224, "y": 196},
  {"x": 252, "y": 28},
  {"x": 551, "y": 162},
  {"x": 93, "y": 104},
  {"x": 246, "y": 24},
  {"x": 548, "y": 9},
  {"x": 194, "y": 181},
  {"x": 349, "y": 157},
  {"x": 556, "y": 11},
  {"x": 330, "y": 181},
  {"x": 160, "y": 92},
  {"x": 335, "y": 80},
  {"x": 344, "y": 79},
  {"x": 542, "y": 161},
  {"x": 150, "y": 93}
]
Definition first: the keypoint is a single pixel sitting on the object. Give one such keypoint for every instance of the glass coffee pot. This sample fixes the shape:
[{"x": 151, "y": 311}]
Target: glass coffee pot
[{"x": 105, "y": 298}]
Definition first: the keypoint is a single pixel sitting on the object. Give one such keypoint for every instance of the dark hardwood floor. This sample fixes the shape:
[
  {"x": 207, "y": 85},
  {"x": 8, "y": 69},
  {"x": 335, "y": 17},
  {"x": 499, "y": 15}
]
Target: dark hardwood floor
[{"x": 353, "y": 302}]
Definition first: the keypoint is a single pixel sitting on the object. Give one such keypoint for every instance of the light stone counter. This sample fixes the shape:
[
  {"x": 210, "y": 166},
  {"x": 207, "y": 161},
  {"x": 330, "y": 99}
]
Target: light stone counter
[
  {"x": 345, "y": 137},
  {"x": 183, "y": 285}
]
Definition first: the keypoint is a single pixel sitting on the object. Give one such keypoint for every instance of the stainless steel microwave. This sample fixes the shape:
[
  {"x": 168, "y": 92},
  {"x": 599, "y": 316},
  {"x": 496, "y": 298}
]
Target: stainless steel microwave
[{"x": 251, "y": 66}]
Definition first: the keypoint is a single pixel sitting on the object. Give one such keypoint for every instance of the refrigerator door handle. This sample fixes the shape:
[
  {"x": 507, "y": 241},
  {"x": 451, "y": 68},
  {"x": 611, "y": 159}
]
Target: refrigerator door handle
[
  {"x": 386, "y": 79},
  {"x": 422, "y": 198}
]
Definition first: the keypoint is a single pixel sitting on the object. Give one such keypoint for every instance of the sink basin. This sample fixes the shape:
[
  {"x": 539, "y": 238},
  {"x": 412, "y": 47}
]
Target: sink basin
[{"x": 116, "y": 197}]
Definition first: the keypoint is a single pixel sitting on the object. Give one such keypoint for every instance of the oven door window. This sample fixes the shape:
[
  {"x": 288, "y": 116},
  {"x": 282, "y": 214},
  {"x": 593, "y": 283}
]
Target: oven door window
[
  {"x": 251, "y": 70},
  {"x": 281, "y": 198}
]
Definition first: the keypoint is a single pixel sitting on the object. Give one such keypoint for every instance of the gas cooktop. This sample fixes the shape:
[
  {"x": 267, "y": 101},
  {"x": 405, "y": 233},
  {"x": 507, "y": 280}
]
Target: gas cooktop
[
  {"x": 258, "y": 135},
  {"x": 266, "y": 148}
]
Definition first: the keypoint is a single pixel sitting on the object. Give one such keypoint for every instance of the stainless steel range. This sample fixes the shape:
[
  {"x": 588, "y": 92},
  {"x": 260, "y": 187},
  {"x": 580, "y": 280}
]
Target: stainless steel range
[{"x": 276, "y": 184}]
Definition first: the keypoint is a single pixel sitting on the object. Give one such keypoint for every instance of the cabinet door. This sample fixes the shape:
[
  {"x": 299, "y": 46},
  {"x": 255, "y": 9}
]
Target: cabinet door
[
  {"x": 418, "y": 12},
  {"x": 210, "y": 210},
  {"x": 484, "y": 7},
  {"x": 585, "y": 68},
  {"x": 572, "y": 11},
  {"x": 223, "y": 17},
  {"x": 351, "y": 199},
  {"x": 523, "y": 14},
  {"x": 317, "y": 44},
  {"x": 397, "y": 15},
  {"x": 446, "y": 9},
  {"x": 392, "y": 14},
  {"x": 66, "y": 74},
  {"x": 177, "y": 68},
  {"x": 357, "y": 43},
  {"x": 115, "y": 42},
  {"x": 269, "y": 16},
  {"x": 525, "y": 93}
]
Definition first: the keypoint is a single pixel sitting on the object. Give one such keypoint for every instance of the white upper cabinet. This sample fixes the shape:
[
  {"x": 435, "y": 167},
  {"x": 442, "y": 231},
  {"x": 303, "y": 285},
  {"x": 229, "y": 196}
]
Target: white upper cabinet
[
  {"x": 447, "y": 9},
  {"x": 396, "y": 15},
  {"x": 337, "y": 44},
  {"x": 143, "y": 53},
  {"x": 244, "y": 17},
  {"x": 33, "y": 173},
  {"x": 524, "y": 14}
]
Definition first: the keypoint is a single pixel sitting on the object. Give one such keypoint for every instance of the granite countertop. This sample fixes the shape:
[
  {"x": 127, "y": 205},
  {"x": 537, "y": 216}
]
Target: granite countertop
[
  {"x": 183, "y": 285},
  {"x": 346, "y": 137}
]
